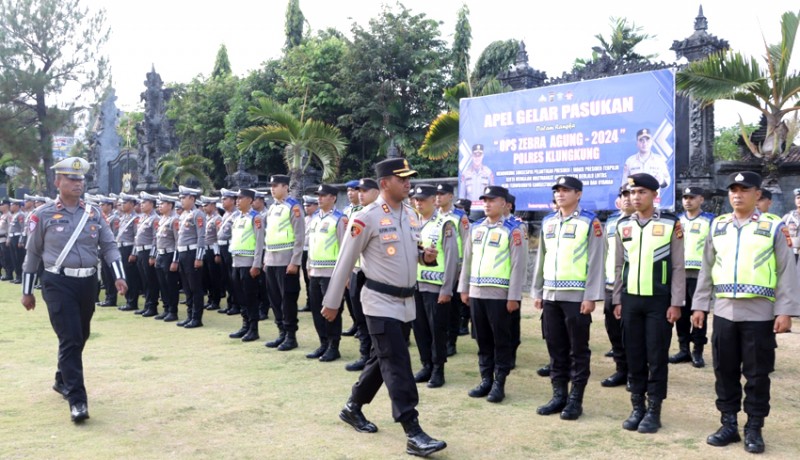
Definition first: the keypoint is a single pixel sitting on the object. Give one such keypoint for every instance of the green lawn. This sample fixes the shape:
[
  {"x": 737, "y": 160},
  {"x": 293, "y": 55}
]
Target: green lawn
[{"x": 159, "y": 391}]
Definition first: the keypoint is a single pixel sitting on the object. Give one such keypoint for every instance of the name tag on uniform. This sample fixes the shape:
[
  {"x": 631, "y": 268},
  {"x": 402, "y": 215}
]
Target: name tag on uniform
[
  {"x": 494, "y": 240},
  {"x": 658, "y": 230},
  {"x": 764, "y": 229},
  {"x": 324, "y": 228},
  {"x": 551, "y": 231},
  {"x": 721, "y": 228},
  {"x": 569, "y": 230},
  {"x": 695, "y": 228},
  {"x": 478, "y": 236}
]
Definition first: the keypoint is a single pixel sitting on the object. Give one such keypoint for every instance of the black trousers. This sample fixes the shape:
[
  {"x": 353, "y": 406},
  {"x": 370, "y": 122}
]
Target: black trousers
[
  {"x": 491, "y": 322},
  {"x": 646, "y": 334},
  {"x": 304, "y": 262},
  {"x": 212, "y": 277},
  {"x": 227, "y": 274},
  {"x": 247, "y": 292},
  {"x": 5, "y": 261},
  {"x": 327, "y": 331},
  {"x": 192, "y": 281},
  {"x": 614, "y": 331},
  {"x": 149, "y": 279},
  {"x": 107, "y": 274},
  {"x": 168, "y": 282},
  {"x": 263, "y": 295},
  {"x": 746, "y": 349},
  {"x": 357, "y": 280},
  {"x": 70, "y": 305},
  {"x": 430, "y": 328},
  {"x": 389, "y": 362},
  {"x": 283, "y": 289},
  {"x": 568, "y": 341},
  {"x": 17, "y": 256},
  {"x": 683, "y": 327},
  {"x": 454, "y": 316},
  {"x": 131, "y": 277}
]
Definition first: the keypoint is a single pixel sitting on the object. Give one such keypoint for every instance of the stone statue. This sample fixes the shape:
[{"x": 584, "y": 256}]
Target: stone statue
[
  {"x": 104, "y": 144},
  {"x": 156, "y": 134}
]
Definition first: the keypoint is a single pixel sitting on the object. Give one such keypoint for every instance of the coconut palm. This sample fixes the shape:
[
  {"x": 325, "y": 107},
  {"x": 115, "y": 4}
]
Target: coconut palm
[
  {"x": 769, "y": 87},
  {"x": 303, "y": 141},
  {"x": 176, "y": 169}
]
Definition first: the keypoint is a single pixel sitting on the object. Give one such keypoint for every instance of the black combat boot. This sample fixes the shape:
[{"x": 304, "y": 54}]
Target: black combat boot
[
  {"x": 252, "y": 332},
  {"x": 187, "y": 320},
  {"x": 424, "y": 374},
  {"x": 351, "y": 414},
  {"x": 357, "y": 365},
  {"x": 616, "y": 379},
  {"x": 483, "y": 388},
  {"x": 437, "y": 376},
  {"x": 574, "y": 407},
  {"x": 697, "y": 356},
  {"x": 419, "y": 443},
  {"x": 727, "y": 433},
  {"x": 290, "y": 343},
  {"x": 682, "y": 356},
  {"x": 652, "y": 418},
  {"x": 279, "y": 340},
  {"x": 242, "y": 330},
  {"x": 319, "y": 351},
  {"x": 498, "y": 392},
  {"x": 753, "y": 441},
  {"x": 543, "y": 371},
  {"x": 331, "y": 353},
  {"x": 558, "y": 402},
  {"x": 637, "y": 414}
]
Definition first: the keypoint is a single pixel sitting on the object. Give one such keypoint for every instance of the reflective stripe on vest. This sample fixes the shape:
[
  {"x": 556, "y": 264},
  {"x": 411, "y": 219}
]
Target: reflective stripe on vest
[
  {"x": 566, "y": 246},
  {"x": 323, "y": 241},
  {"x": 280, "y": 233},
  {"x": 491, "y": 255},
  {"x": 431, "y": 233},
  {"x": 611, "y": 244},
  {"x": 648, "y": 266},
  {"x": 695, "y": 232},
  {"x": 243, "y": 237},
  {"x": 456, "y": 220},
  {"x": 745, "y": 265}
]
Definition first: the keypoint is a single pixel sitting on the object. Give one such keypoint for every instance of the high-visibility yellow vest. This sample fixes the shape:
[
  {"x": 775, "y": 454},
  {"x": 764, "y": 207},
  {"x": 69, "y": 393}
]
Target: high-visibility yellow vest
[
  {"x": 695, "y": 232},
  {"x": 648, "y": 263},
  {"x": 611, "y": 244},
  {"x": 431, "y": 234},
  {"x": 243, "y": 236},
  {"x": 566, "y": 244},
  {"x": 280, "y": 233},
  {"x": 491, "y": 253},
  {"x": 745, "y": 265},
  {"x": 323, "y": 241},
  {"x": 456, "y": 216}
]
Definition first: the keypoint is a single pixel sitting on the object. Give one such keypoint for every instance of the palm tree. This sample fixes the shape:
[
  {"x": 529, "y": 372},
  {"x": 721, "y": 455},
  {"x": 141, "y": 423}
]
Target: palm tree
[
  {"x": 619, "y": 46},
  {"x": 175, "y": 169},
  {"x": 772, "y": 89},
  {"x": 303, "y": 141}
]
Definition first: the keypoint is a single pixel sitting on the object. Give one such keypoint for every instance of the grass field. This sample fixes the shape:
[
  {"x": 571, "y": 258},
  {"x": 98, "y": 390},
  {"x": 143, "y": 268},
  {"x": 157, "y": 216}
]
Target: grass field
[{"x": 157, "y": 391}]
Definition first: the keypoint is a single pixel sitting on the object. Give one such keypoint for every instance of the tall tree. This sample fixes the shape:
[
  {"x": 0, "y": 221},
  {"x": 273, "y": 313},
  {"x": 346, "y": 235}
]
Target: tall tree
[
  {"x": 222, "y": 65},
  {"x": 175, "y": 169},
  {"x": 495, "y": 58},
  {"x": 294, "y": 24},
  {"x": 49, "y": 48},
  {"x": 462, "y": 41},
  {"x": 773, "y": 89},
  {"x": 620, "y": 44}
]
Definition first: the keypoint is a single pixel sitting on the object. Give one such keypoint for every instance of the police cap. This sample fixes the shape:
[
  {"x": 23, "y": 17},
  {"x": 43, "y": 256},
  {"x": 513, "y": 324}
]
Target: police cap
[
  {"x": 394, "y": 167},
  {"x": 226, "y": 193},
  {"x": 144, "y": 196},
  {"x": 279, "y": 179},
  {"x": 186, "y": 191},
  {"x": 367, "y": 184},
  {"x": 746, "y": 179},
  {"x": 568, "y": 182},
  {"x": 765, "y": 194},
  {"x": 325, "y": 189},
  {"x": 310, "y": 200},
  {"x": 693, "y": 191},
  {"x": 423, "y": 191},
  {"x": 352, "y": 183},
  {"x": 644, "y": 132},
  {"x": 643, "y": 180},
  {"x": 494, "y": 191},
  {"x": 444, "y": 188},
  {"x": 247, "y": 193},
  {"x": 72, "y": 167}
]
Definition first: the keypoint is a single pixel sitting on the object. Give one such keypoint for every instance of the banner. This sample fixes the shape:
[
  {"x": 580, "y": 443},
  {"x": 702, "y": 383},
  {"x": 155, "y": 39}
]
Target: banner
[
  {"x": 62, "y": 145},
  {"x": 599, "y": 131}
]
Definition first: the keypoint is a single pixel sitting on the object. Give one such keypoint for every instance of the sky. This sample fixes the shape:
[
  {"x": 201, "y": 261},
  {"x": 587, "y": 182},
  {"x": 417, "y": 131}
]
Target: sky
[{"x": 181, "y": 38}]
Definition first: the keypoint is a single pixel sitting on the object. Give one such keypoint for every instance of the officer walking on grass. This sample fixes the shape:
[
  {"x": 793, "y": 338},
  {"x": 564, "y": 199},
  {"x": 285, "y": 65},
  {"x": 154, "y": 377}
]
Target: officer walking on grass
[
  {"x": 67, "y": 236},
  {"x": 748, "y": 266},
  {"x": 386, "y": 235}
]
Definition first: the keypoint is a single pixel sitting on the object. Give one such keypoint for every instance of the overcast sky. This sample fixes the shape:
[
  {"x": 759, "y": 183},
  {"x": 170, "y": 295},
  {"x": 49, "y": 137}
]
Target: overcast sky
[{"x": 181, "y": 38}]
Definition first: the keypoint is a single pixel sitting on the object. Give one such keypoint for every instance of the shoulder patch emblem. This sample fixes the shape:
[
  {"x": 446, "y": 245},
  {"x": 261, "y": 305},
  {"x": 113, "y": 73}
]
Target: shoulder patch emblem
[
  {"x": 35, "y": 221},
  {"x": 678, "y": 230},
  {"x": 785, "y": 232},
  {"x": 356, "y": 228},
  {"x": 465, "y": 222},
  {"x": 296, "y": 211},
  {"x": 199, "y": 221},
  {"x": 598, "y": 230},
  {"x": 257, "y": 221},
  {"x": 517, "y": 237}
]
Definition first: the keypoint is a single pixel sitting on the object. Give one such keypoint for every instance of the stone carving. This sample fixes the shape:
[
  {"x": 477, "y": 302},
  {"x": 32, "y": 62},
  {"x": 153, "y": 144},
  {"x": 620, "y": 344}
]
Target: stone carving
[
  {"x": 520, "y": 75},
  {"x": 156, "y": 134},
  {"x": 104, "y": 144}
]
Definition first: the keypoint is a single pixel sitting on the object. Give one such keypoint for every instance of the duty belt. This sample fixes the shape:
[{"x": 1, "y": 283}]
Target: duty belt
[
  {"x": 187, "y": 248},
  {"x": 146, "y": 247},
  {"x": 3, "y": 239},
  {"x": 124, "y": 245},
  {"x": 73, "y": 272},
  {"x": 165, "y": 251},
  {"x": 388, "y": 289},
  {"x": 222, "y": 242},
  {"x": 15, "y": 234}
]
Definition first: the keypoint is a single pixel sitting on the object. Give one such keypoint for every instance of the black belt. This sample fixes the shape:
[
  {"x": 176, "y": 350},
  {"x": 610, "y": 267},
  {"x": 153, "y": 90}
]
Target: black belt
[{"x": 388, "y": 289}]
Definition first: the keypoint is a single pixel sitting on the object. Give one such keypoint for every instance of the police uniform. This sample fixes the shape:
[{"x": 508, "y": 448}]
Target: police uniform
[
  {"x": 263, "y": 294},
  {"x": 285, "y": 235},
  {"x": 653, "y": 164},
  {"x": 649, "y": 278},
  {"x": 168, "y": 276},
  {"x": 326, "y": 231},
  {"x": 348, "y": 212},
  {"x": 212, "y": 269},
  {"x": 308, "y": 200},
  {"x": 695, "y": 230},
  {"x": 431, "y": 325},
  {"x": 144, "y": 248},
  {"x": 69, "y": 281},
  {"x": 126, "y": 240},
  {"x": 191, "y": 248},
  {"x": 792, "y": 221},
  {"x": 224, "y": 235},
  {"x": 490, "y": 286},
  {"x": 5, "y": 252},
  {"x": 748, "y": 268},
  {"x": 246, "y": 249},
  {"x": 569, "y": 271},
  {"x": 475, "y": 180},
  {"x": 106, "y": 271},
  {"x": 15, "y": 228},
  {"x": 612, "y": 324}
]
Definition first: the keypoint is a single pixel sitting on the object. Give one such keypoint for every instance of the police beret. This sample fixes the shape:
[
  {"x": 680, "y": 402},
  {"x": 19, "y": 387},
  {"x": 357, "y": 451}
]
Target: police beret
[
  {"x": 394, "y": 167},
  {"x": 279, "y": 179},
  {"x": 643, "y": 133},
  {"x": 325, "y": 189},
  {"x": 745, "y": 179},
  {"x": 445, "y": 188},
  {"x": 643, "y": 180},
  {"x": 352, "y": 183},
  {"x": 569, "y": 182},
  {"x": 494, "y": 191},
  {"x": 367, "y": 184},
  {"x": 693, "y": 191},
  {"x": 424, "y": 191},
  {"x": 766, "y": 194}
]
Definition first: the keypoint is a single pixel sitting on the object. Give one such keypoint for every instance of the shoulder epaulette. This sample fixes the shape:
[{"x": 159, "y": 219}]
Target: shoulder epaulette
[{"x": 291, "y": 202}]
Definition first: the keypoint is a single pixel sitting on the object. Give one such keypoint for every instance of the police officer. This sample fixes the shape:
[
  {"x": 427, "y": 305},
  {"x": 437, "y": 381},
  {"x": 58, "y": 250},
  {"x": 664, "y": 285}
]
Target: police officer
[
  {"x": 516, "y": 316},
  {"x": 310, "y": 205},
  {"x": 476, "y": 176},
  {"x": 567, "y": 282},
  {"x": 748, "y": 267},
  {"x": 212, "y": 260},
  {"x": 385, "y": 234},
  {"x": 435, "y": 287},
  {"x": 695, "y": 224},
  {"x": 495, "y": 261},
  {"x": 144, "y": 248},
  {"x": 224, "y": 235},
  {"x": 285, "y": 235},
  {"x": 612, "y": 323},
  {"x": 326, "y": 231},
  {"x": 649, "y": 290},
  {"x": 189, "y": 256},
  {"x": 126, "y": 237},
  {"x": 765, "y": 202},
  {"x": 167, "y": 273},
  {"x": 792, "y": 221},
  {"x": 353, "y": 206},
  {"x": 15, "y": 228},
  {"x": 107, "y": 272},
  {"x": 259, "y": 205},
  {"x": 67, "y": 236},
  {"x": 5, "y": 252},
  {"x": 247, "y": 248}
]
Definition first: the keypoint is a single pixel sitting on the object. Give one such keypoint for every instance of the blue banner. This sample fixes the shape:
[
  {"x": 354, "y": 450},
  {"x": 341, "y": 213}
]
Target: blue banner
[{"x": 599, "y": 131}]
